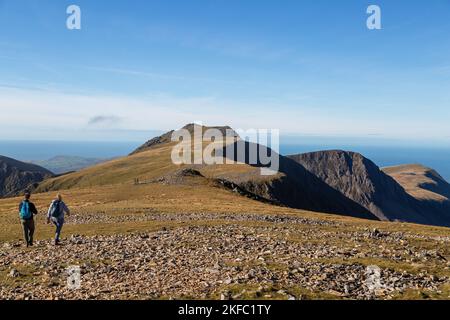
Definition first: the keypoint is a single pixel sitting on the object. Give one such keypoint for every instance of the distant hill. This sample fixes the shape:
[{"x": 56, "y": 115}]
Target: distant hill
[
  {"x": 426, "y": 185},
  {"x": 421, "y": 182},
  {"x": 361, "y": 180},
  {"x": 63, "y": 164},
  {"x": 16, "y": 176}
]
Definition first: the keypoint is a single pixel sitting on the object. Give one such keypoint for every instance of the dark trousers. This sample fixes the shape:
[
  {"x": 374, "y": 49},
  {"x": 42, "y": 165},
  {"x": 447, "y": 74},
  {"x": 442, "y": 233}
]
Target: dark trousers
[{"x": 28, "y": 230}]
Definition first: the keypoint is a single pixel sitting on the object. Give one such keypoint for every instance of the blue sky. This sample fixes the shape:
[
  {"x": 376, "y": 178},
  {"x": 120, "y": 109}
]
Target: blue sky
[{"x": 308, "y": 68}]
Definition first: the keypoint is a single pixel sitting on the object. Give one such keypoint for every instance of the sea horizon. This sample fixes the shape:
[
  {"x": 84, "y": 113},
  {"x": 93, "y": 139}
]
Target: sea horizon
[{"x": 435, "y": 157}]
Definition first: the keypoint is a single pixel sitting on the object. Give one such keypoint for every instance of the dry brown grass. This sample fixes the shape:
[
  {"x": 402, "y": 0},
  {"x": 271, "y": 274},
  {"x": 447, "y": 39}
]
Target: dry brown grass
[
  {"x": 126, "y": 199},
  {"x": 146, "y": 165}
]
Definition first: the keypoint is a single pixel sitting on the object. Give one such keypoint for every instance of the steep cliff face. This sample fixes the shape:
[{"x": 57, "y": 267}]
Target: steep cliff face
[
  {"x": 16, "y": 176},
  {"x": 361, "y": 180},
  {"x": 294, "y": 186}
]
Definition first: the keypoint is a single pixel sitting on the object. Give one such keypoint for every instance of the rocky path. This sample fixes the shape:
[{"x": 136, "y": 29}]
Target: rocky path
[
  {"x": 277, "y": 257},
  {"x": 149, "y": 215}
]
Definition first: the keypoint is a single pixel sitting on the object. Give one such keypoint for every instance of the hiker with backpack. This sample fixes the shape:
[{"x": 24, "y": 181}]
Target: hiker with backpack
[
  {"x": 27, "y": 211},
  {"x": 55, "y": 214}
]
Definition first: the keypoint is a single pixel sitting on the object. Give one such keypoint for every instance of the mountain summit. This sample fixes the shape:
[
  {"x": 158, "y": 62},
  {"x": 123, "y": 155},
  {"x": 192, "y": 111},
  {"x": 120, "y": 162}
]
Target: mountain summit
[{"x": 167, "y": 137}]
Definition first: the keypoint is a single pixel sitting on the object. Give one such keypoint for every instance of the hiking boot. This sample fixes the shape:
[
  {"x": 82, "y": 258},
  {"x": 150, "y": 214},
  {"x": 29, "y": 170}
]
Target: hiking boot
[{"x": 57, "y": 243}]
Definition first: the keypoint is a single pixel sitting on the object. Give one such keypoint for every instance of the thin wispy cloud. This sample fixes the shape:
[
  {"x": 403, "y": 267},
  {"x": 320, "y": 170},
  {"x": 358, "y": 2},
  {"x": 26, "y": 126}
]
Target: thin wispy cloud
[
  {"x": 160, "y": 76},
  {"x": 237, "y": 46},
  {"x": 74, "y": 115},
  {"x": 129, "y": 72},
  {"x": 104, "y": 120}
]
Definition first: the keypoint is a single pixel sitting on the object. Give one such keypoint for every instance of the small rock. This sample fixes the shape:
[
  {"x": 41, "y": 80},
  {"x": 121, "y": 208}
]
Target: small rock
[
  {"x": 14, "y": 273},
  {"x": 225, "y": 296}
]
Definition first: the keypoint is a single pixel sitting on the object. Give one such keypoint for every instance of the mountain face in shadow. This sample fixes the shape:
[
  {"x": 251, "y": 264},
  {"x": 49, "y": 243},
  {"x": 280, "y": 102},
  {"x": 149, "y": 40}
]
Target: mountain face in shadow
[
  {"x": 16, "y": 176},
  {"x": 361, "y": 180},
  {"x": 294, "y": 186}
]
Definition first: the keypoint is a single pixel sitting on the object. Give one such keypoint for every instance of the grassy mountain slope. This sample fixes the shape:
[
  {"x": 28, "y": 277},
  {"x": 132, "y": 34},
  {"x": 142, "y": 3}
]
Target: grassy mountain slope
[
  {"x": 147, "y": 165},
  {"x": 334, "y": 182},
  {"x": 293, "y": 186},
  {"x": 421, "y": 182}
]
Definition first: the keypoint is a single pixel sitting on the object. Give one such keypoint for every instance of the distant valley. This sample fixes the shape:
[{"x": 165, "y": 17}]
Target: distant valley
[{"x": 64, "y": 164}]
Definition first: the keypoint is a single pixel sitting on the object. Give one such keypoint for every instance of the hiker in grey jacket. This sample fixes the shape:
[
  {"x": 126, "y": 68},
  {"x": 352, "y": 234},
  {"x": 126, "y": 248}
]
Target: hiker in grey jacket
[{"x": 55, "y": 214}]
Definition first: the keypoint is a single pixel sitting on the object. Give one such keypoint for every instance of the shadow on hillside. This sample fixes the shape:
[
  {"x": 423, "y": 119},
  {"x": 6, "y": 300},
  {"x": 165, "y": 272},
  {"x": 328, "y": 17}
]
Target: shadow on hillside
[{"x": 296, "y": 187}]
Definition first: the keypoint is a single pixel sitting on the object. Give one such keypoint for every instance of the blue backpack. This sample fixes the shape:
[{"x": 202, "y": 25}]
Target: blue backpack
[{"x": 25, "y": 212}]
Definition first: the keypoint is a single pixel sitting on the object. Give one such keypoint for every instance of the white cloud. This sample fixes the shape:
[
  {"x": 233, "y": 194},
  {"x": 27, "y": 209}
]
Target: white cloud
[{"x": 38, "y": 114}]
